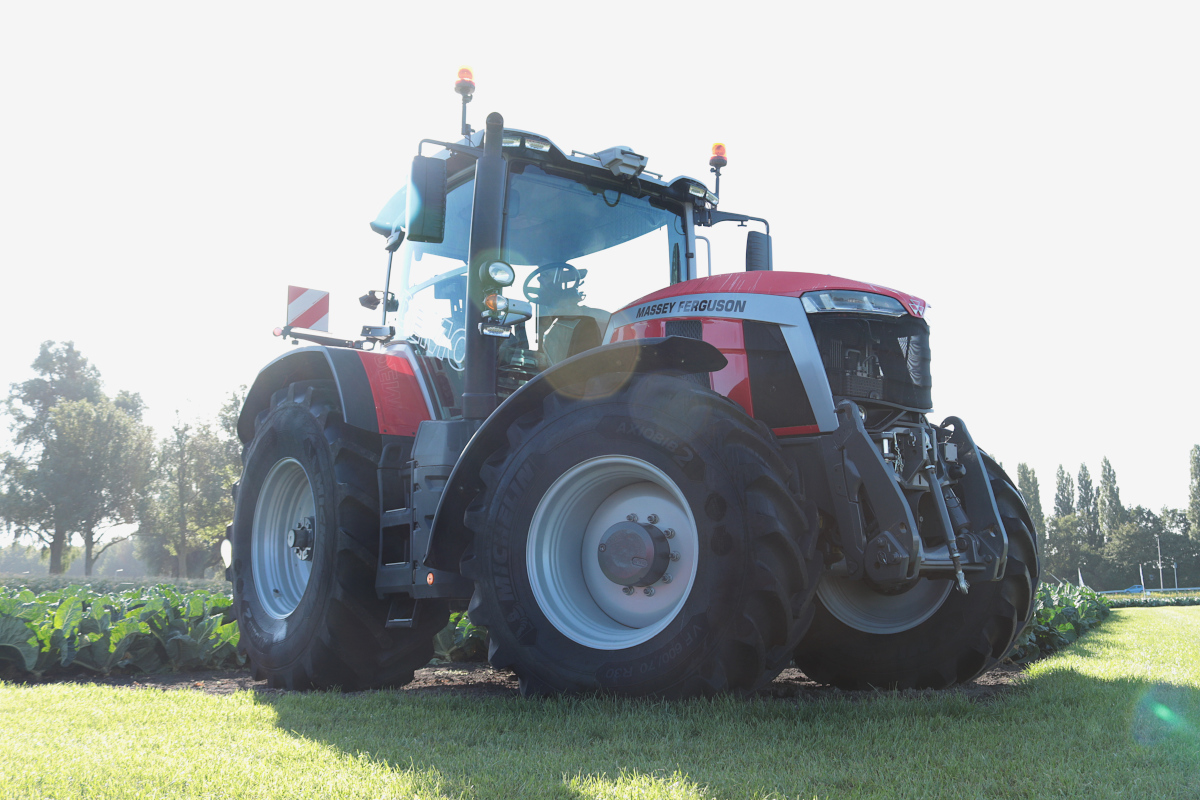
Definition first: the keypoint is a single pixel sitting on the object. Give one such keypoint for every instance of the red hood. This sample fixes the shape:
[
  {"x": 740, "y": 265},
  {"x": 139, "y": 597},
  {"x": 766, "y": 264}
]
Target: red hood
[{"x": 786, "y": 284}]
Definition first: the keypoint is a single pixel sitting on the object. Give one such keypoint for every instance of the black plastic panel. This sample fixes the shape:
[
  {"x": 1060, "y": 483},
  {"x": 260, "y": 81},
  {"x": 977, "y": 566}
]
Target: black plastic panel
[{"x": 775, "y": 386}]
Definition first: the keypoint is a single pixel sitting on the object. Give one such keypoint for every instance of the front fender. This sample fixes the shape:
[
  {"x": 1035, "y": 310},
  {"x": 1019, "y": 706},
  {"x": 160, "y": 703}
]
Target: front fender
[{"x": 617, "y": 362}]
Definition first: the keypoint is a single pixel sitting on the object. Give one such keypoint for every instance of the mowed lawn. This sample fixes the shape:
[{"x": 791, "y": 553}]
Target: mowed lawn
[{"x": 1116, "y": 715}]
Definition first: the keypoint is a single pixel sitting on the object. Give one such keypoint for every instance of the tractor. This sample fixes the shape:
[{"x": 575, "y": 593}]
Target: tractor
[{"x": 641, "y": 479}]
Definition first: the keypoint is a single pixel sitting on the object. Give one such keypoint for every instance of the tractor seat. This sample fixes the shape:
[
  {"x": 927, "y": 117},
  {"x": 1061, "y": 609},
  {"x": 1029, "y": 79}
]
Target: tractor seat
[{"x": 563, "y": 336}]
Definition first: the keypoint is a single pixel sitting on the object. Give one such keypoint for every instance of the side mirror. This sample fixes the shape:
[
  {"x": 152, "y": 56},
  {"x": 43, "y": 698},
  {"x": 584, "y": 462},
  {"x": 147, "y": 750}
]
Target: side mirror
[
  {"x": 427, "y": 200},
  {"x": 758, "y": 252}
]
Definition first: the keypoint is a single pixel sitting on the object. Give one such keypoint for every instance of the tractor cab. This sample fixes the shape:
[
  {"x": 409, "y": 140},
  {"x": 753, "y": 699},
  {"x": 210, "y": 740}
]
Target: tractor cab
[{"x": 583, "y": 234}]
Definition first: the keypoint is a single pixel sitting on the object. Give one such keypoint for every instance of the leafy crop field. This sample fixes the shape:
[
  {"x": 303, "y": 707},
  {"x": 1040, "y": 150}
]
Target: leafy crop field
[
  {"x": 148, "y": 629},
  {"x": 1116, "y": 714}
]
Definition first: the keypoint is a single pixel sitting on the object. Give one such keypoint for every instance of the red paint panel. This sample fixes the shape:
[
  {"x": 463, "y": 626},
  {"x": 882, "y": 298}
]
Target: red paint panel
[
  {"x": 294, "y": 292},
  {"x": 733, "y": 380},
  {"x": 786, "y": 284},
  {"x": 799, "y": 430},
  {"x": 399, "y": 404}
]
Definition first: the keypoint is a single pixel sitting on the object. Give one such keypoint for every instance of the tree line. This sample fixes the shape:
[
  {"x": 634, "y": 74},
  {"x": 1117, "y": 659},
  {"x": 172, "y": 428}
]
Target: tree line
[
  {"x": 1092, "y": 534},
  {"x": 85, "y": 472}
]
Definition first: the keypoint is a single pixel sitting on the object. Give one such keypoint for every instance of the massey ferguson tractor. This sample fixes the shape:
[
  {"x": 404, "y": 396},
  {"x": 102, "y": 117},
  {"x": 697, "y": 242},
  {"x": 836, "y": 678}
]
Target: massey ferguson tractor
[{"x": 642, "y": 478}]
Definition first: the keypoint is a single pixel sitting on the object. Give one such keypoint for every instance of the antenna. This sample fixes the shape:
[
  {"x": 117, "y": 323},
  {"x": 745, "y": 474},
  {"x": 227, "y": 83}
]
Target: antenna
[{"x": 465, "y": 87}]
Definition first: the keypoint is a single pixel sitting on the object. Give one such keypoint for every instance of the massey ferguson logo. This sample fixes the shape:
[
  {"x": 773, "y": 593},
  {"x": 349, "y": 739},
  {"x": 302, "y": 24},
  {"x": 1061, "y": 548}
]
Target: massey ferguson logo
[{"x": 717, "y": 304}]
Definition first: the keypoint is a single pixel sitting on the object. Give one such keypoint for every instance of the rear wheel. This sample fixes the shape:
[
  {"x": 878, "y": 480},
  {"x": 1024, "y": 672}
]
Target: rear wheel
[
  {"x": 639, "y": 541},
  {"x": 305, "y": 539},
  {"x": 930, "y": 636}
]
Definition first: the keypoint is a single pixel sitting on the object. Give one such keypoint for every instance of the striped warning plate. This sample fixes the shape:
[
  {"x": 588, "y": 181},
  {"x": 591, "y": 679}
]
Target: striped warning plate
[{"x": 308, "y": 308}]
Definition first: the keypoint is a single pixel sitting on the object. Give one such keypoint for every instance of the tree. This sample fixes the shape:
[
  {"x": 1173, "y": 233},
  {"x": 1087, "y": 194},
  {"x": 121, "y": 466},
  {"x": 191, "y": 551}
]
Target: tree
[
  {"x": 1086, "y": 510},
  {"x": 1181, "y": 553},
  {"x": 1027, "y": 483},
  {"x": 1064, "y": 493},
  {"x": 102, "y": 457},
  {"x": 63, "y": 375},
  {"x": 1112, "y": 513},
  {"x": 82, "y": 458},
  {"x": 1134, "y": 541},
  {"x": 185, "y": 520},
  {"x": 1193, "y": 509}
]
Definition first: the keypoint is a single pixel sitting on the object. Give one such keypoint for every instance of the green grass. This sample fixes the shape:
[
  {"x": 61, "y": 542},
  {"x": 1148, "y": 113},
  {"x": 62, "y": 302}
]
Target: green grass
[{"x": 1115, "y": 715}]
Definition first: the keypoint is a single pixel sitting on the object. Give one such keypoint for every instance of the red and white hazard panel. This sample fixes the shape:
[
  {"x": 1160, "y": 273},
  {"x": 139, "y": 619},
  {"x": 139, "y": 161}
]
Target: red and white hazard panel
[{"x": 308, "y": 308}]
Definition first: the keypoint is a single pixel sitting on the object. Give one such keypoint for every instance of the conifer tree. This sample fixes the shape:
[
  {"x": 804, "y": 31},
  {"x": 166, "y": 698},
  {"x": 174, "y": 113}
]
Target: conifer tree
[
  {"x": 1193, "y": 508},
  {"x": 1064, "y": 493},
  {"x": 1027, "y": 482},
  {"x": 1088, "y": 516},
  {"x": 1112, "y": 513}
]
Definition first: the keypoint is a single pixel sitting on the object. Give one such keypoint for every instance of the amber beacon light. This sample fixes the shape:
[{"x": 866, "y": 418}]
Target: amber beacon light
[
  {"x": 466, "y": 82},
  {"x": 718, "y": 159}
]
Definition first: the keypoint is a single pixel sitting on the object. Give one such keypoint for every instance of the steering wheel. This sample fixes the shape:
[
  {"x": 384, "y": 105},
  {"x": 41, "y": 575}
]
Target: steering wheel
[{"x": 553, "y": 279}]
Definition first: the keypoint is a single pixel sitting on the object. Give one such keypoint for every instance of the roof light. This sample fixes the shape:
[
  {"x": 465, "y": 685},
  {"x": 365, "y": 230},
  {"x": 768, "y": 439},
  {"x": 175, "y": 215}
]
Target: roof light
[
  {"x": 512, "y": 141},
  {"x": 718, "y": 159},
  {"x": 499, "y": 273},
  {"x": 698, "y": 190},
  {"x": 466, "y": 82},
  {"x": 534, "y": 144},
  {"x": 848, "y": 300}
]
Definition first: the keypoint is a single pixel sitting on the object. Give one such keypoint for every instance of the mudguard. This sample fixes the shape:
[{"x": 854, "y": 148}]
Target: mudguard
[
  {"x": 615, "y": 362},
  {"x": 380, "y": 392}
]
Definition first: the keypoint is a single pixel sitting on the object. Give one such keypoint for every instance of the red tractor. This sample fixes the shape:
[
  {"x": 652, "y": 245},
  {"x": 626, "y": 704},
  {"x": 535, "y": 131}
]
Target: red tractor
[{"x": 666, "y": 491}]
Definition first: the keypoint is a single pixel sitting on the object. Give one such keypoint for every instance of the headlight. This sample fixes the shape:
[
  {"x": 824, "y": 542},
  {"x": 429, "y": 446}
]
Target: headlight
[{"x": 850, "y": 300}]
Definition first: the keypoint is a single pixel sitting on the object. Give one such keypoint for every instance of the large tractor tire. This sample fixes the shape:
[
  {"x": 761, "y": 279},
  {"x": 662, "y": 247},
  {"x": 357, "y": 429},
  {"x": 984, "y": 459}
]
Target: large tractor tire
[
  {"x": 313, "y": 620},
  {"x": 639, "y": 539},
  {"x": 931, "y": 636}
]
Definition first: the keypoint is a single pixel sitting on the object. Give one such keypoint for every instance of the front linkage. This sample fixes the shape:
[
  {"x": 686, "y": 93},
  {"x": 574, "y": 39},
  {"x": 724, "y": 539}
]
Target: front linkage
[{"x": 910, "y": 501}]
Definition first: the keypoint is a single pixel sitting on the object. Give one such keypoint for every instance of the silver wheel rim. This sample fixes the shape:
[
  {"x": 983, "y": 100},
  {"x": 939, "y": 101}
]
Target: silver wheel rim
[
  {"x": 861, "y": 607},
  {"x": 564, "y": 536},
  {"x": 280, "y": 577}
]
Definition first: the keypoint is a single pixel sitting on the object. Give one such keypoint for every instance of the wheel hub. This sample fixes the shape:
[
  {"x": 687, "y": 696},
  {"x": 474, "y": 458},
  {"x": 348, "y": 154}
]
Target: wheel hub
[
  {"x": 300, "y": 538},
  {"x": 633, "y": 554}
]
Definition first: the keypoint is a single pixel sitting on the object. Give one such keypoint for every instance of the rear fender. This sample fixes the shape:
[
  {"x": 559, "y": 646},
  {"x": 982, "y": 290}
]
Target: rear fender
[
  {"x": 618, "y": 361},
  {"x": 380, "y": 392}
]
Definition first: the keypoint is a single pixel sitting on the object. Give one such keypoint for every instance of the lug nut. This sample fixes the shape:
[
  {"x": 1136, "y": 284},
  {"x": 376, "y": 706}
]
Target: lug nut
[
  {"x": 648, "y": 591},
  {"x": 653, "y": 518},
  {"x": 669, "y": 533},
  {"x": 667, "y": 578},
  {"x": 627, "y": 589},
  {"x": 674, "y": 556},
  {"x": 632, "y": 517},
  {"x": 603, "y": 547}
]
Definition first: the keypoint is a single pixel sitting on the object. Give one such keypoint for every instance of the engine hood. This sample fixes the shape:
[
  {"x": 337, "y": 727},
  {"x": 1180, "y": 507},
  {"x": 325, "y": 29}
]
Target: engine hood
[{"x": 782, "y": 284}]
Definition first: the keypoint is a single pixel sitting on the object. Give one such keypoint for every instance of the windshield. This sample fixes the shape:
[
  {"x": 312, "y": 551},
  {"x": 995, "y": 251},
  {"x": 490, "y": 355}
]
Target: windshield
[
  {"x": 580, "y": 253},
  {"x": 621, "y": 245}
]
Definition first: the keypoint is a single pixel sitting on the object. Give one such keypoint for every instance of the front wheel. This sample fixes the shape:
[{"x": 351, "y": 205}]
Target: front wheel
[
  {"x": 640, "y": 542},
  {"x": 930, "y": 636},
  {"x": 305, "y": 539}
]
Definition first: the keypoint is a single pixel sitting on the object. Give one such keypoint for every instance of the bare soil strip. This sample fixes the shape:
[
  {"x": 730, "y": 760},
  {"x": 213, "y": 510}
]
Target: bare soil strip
[{"x": 481, "y": 680}]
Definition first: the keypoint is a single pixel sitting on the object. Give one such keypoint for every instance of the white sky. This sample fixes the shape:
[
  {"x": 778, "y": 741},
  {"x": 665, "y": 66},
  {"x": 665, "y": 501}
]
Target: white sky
[{"x": 1029, "y": 168}]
